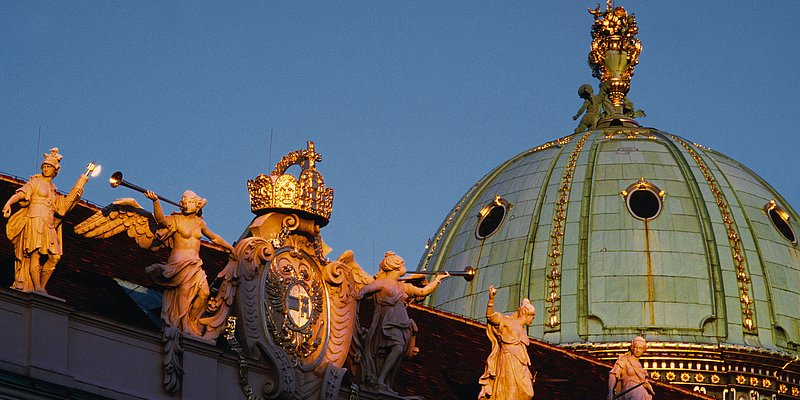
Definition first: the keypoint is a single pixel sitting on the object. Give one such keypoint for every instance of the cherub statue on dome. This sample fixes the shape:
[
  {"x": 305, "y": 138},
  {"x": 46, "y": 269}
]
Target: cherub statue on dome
[
  {"x": 599, "y": 106},
  {"x": 590, "y": 108},
  {"x": 186, "y": 289},
  {"x": 629, "y": 110},
  {"x": 507, "y": 375},
  {"x": 391, "y": 334},
  {"x": 35, "y": 229}
]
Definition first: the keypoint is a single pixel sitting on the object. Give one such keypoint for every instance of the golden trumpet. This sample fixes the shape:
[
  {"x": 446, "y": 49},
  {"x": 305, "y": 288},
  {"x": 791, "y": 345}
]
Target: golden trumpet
[
  {"x": 468, "y": 274},
  {"x": 116, "y": 180}
]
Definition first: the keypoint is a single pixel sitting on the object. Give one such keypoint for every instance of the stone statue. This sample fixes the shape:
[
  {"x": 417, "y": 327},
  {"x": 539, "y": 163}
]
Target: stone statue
[
  {"x": 185, "y": 284},
  {"x": 391, "y": 334},
  {"x": 35, "y": 229},
  {"x": 507, "y": 375},
  {"x": 186, "y": 308},
  {"x": 590, "y": 108},
  {"x": 629, "y": 110},
  {"x": 627, "y": 380},
  {"x": 186, "y": 289}
]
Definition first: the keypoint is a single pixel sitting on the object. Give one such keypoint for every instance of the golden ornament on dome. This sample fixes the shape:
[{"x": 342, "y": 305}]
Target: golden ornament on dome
[
  {"x": 281, "y": 191},
  {"x": 615, "y": 50}
]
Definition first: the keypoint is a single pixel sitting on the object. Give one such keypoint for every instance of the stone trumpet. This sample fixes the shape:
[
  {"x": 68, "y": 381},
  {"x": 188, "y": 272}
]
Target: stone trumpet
[
  {"x": 468, "y": 274},
  {"x": 116, "y": 180}
]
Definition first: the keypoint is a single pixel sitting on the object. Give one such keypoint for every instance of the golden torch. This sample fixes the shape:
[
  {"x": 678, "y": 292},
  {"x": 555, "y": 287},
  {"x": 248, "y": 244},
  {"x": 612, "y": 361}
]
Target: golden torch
[{"x": 92, "y": 170}]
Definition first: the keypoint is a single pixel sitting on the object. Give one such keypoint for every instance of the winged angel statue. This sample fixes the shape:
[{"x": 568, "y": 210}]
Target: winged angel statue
[
  {"x": 376, "y": 352},
  {"x": 186, "y": 302}
]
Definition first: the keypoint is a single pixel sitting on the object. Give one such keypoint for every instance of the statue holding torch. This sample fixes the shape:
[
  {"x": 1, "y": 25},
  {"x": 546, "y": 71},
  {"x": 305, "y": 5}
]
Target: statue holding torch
[{"x": 35, "y": 229}]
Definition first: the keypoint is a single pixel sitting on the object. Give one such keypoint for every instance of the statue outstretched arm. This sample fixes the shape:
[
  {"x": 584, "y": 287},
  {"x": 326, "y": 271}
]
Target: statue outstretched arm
[
  {"x": 71, "y": 200},
  {"x": 218, "y": 240},
  {"x": 427, "y": 289},
  {"x": 158, "y": 212},
  {"x": 581, "y": 110},
  {"x": 12, "y": 200},
  {"x": 370, "y": 288}
]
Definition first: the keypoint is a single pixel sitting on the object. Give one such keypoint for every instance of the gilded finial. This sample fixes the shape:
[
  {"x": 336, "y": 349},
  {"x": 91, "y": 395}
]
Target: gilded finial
[{"x": 615, "y": 51}]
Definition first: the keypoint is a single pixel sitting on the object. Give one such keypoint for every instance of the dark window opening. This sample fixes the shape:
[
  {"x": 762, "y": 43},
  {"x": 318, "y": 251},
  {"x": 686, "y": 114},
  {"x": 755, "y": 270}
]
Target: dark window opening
[
  {"x": 781, "y": 224},
  {"x": 491, "y": 217},
  {"x": 489, "y": 224},
  {"x": 644, "y": 204}
]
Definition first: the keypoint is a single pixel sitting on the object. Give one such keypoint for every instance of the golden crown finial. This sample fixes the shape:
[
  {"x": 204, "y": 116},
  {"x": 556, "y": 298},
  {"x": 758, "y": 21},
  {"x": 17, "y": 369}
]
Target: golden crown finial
[
  {"x": 281, "y": 191},
  {"x": 615, "y": 50}
]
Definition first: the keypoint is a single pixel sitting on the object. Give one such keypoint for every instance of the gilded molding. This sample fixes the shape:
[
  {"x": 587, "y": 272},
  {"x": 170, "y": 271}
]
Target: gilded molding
[
  {"x": 558, "y": 142},
  {"x": 432, "y": 245},
  {"x": 739, "y": 260},
  {"x": 628, "y": 134},
  {"x": 556, "y": 245}
]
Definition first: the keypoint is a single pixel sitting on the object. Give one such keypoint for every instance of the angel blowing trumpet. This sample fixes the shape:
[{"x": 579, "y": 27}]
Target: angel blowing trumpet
[
  {"x": 186, "y": 289},
  {"x": 116, "y": 181}
]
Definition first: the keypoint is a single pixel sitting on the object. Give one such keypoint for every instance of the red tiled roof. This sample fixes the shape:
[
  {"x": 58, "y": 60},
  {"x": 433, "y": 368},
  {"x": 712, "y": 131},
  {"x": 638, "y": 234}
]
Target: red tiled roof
[{"x": 453, "y": 352}]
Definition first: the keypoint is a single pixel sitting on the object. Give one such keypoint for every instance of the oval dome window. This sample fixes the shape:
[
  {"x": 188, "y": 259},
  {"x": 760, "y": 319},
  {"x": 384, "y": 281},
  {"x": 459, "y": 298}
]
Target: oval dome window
[
  {"x": 491, "y": 217},
  {"x": 644, "y": 200},
  {"x": 780, "y": 220}
]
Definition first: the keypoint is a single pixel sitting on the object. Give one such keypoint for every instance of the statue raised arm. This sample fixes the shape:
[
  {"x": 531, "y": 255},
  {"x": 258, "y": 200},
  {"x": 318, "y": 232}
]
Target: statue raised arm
[
  {"x": 391, "y": 334},
  {"x": 507, "y": 375},
  {"x": 186, "y": 289},
  {"x": 35, "y": 229}
]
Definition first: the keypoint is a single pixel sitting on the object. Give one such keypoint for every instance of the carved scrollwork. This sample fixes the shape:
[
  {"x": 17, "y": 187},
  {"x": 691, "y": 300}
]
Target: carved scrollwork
[
  {"x": 253, "y": 254},
  {"x": 296, "y": 309}
]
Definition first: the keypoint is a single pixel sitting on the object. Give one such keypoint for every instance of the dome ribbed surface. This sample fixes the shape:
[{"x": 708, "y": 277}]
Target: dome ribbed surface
[{"x": 710, "y": 268}]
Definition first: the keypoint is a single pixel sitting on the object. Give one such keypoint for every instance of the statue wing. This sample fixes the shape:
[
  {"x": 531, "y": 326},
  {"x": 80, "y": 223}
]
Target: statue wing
[
  {"x": 123, "y": 215},
  {"x": 360, "y": 277}
]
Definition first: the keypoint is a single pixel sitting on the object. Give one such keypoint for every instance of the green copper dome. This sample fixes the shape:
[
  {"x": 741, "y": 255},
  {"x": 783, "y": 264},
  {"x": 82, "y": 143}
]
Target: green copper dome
[{"x": 617, "y": 232}]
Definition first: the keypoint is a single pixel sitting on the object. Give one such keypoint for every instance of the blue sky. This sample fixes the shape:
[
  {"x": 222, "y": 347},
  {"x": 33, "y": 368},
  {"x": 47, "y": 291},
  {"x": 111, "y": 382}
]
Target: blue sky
[{"x": 409, "y": 102}]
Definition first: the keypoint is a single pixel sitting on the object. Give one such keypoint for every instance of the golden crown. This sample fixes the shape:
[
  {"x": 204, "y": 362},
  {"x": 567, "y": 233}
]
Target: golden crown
[{"x": 281, "y": 191}]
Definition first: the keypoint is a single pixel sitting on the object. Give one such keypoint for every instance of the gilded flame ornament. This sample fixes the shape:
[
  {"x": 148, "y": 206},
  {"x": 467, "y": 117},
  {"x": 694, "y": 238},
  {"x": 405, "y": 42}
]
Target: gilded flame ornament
[{"x": 615, "y": 50}]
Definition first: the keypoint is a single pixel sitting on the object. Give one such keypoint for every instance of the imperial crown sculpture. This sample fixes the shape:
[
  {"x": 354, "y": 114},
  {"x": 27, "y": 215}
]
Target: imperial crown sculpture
[{"x": 282, "y": 191}]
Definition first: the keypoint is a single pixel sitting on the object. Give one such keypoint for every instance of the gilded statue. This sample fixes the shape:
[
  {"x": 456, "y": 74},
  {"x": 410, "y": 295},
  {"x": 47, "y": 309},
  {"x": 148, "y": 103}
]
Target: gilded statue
[
  {"x": 391, "y": 334},
  {"x": 507, "y": 375},
  {"x": 35, "y": 229},
  {"x": 186, "y": 290},
  {"x": 627, "y": 380}
]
